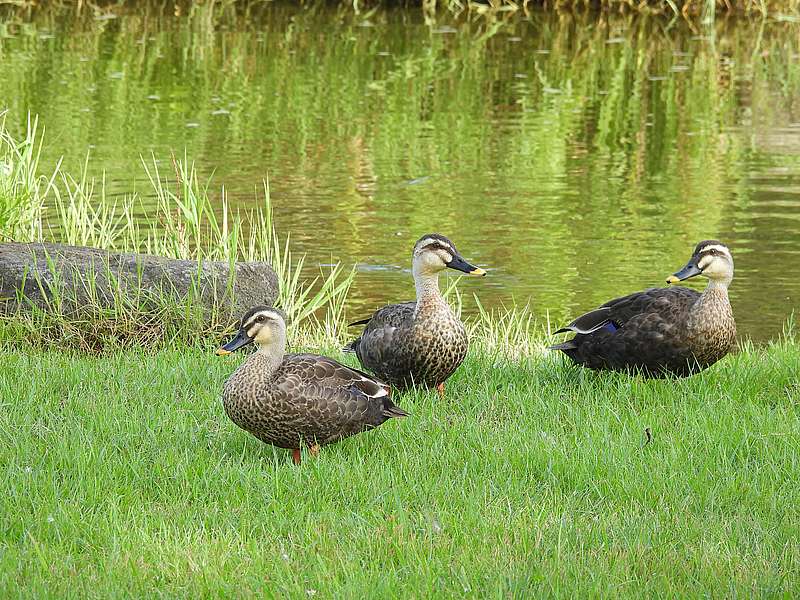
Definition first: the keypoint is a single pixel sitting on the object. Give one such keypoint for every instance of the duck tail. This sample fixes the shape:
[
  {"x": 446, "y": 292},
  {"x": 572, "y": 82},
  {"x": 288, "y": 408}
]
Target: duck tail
[
  {"x": 360, "y": 322},
  {"x": 568, "y": 345},
  {"x": 352, "y": 347},
  {"x": 391, "y": 410}
]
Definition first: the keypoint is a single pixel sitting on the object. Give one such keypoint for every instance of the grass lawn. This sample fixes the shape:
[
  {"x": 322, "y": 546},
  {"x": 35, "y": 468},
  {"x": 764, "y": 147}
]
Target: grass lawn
[{"x": 120, "y": 475}]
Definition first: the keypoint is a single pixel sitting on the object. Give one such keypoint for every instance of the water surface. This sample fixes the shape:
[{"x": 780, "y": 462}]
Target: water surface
[{"x": 576, "y": 158}]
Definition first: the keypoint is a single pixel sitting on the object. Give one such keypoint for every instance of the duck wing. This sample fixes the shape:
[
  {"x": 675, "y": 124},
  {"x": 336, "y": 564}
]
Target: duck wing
[
  {"x": 333, "y": 400},
  {"x": 381, "y": 330},
  {"x": 644, "y": 329},
  {"x": 620, "y": 311},
  {"x": 393, "y": 315},
  {"x": 382, "y": 347},
  {"x": 666, "y": 302},
  {"x": 589, "y": 322}
]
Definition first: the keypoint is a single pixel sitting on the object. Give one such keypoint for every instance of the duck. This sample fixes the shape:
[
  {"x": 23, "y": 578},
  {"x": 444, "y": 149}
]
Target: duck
[
  {"x": 421, "y": 342},
  {"x": 296, "y": 400},
  {"x": 662, "y": 331}
]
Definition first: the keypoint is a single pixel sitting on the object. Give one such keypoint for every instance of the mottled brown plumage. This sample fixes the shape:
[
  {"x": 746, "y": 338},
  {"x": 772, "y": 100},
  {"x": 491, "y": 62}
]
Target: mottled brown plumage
[
  {"x": 289, "y": 400},
  {"x": 421, "y": 342},
  {"x": 662, "y": 331}
]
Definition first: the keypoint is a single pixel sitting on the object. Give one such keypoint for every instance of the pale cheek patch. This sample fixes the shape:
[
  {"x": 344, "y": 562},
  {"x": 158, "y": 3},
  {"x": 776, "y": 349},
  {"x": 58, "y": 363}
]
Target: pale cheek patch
[
  {"x": 704, "y": 262},
  {"x": 263, "y": 335},
  {"x": 431, "y": 260}
]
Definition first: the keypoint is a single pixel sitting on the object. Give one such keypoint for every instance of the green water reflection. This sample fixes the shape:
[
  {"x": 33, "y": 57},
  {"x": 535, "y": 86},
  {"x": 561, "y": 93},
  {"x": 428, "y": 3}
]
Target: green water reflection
[{"x": 576, "y": 158}]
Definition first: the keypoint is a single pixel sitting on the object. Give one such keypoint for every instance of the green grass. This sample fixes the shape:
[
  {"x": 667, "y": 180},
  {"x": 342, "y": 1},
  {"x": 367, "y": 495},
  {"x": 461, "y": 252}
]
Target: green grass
[
  {"x": 122, "y": 476},
  {"x": 208, "y": 10}
]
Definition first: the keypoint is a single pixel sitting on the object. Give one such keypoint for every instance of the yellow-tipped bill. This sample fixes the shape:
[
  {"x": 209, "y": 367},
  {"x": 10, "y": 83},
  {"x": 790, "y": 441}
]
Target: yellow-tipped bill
[
  {"x": 459, "y": 264},
  {"x": 690, "y": 270},
  {"x": 239, "y": 341}
]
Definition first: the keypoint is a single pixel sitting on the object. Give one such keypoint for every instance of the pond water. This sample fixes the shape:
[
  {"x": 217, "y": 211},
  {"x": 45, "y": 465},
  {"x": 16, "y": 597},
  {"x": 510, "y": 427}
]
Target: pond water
[{"x": 577, "y": 158}]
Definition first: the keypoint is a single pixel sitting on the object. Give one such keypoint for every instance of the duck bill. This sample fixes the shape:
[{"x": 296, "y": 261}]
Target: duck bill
[
  {"x": 240, "y": 341},
  {"x": 690, "y": 270},
  {"x": 459, "y": 264}
]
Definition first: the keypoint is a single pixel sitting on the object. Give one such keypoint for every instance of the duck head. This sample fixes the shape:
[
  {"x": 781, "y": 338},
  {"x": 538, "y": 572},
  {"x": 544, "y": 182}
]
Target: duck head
[
  {"x": 711, "y": 259},
  {"x": 261, "y": 325},
  {"x": 434, "y": 253}
]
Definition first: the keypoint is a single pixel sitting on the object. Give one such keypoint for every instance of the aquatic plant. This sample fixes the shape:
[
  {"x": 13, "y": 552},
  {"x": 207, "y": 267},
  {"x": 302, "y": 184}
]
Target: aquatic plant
[{"x": 22, "y": 190}]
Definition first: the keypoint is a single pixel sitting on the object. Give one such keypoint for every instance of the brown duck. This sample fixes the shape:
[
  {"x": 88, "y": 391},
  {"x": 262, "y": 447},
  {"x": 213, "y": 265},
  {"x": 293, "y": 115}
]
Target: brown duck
[
  {"x": 291, "y": 400},
  {"x": 662, "y": 331},
  {"x": 420, "y": 342}
]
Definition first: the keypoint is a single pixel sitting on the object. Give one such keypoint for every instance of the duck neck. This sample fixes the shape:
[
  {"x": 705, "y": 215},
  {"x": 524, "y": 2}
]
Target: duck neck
[
  {"x": 269, "y": 357},
  {"x": 428, "y": 294},
  {"x": 716, "y": 291},
  {"x": 712, "y": 305}
]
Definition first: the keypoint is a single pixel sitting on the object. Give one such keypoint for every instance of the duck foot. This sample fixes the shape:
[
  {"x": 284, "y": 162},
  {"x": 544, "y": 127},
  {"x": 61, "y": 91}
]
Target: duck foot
[
  {"x": 296, "y": 456},
  {"x": 314, "y": 450},
  {"x": 440, "y": 389}
]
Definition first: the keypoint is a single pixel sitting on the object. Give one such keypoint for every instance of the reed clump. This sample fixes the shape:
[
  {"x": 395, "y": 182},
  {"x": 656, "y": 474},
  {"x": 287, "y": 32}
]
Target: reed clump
[
  {"x": 184, "y": 221},
  {"x": 210, "y": 11},
  {"x": 430, "y": 8}
]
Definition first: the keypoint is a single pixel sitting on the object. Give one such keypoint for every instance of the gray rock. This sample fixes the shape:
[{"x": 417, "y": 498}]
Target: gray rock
[{"x": 72, "y": 278}]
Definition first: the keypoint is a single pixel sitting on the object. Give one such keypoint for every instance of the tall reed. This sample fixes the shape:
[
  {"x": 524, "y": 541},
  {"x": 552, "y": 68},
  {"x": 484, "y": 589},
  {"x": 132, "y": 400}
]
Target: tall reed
[
  {"x": 184, "y": 221},
  {"x": 208, "y": 12}
]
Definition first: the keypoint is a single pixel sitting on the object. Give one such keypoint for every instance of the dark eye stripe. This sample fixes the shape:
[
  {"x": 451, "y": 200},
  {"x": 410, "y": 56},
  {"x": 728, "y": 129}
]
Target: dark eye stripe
[{"x": 254, "y": 320}]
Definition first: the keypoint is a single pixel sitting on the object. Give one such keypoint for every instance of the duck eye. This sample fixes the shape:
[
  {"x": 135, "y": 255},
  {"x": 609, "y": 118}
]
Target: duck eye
[{"x": 260, "y": 319}]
